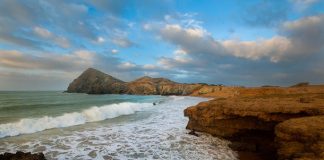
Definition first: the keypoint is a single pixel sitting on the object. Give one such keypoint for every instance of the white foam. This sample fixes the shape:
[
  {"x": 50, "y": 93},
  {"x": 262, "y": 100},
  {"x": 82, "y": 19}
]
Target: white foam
[
  {"x": 32, "y": 125},
  {"x": 162, "y": 135}
]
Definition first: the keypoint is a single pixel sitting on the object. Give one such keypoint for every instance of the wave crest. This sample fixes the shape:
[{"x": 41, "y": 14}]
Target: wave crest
[{"x": 93, "y": 114}]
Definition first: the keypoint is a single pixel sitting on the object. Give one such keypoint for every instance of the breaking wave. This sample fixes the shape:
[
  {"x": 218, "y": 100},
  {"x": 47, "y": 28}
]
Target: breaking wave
[{"x": 93, "y": 114}]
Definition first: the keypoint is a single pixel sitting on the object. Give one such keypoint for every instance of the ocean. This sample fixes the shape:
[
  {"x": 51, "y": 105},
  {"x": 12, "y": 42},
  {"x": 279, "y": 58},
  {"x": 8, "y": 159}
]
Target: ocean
[{"x": 81, "y": 126}]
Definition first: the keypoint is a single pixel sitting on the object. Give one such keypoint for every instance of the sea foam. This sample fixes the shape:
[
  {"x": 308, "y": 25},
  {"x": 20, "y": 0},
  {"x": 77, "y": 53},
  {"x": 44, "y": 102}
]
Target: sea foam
[
  {"x": 93, "y": 114},
  {"x": 162, "y": 135}
]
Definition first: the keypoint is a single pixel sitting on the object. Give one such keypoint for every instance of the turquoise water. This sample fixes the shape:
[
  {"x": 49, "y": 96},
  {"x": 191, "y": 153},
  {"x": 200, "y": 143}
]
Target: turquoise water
[
  {"x": 80, "y": 126},
  {"x": 29, "y": 112},
  {"x": 18, "y": 105}
]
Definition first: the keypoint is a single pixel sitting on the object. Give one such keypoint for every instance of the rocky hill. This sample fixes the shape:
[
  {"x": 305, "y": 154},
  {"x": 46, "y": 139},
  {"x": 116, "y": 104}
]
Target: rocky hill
[{"x": 93, "y": 81}]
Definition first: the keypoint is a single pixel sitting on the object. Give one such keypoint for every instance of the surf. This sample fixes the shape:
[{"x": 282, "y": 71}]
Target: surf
[{"x": 93, "y": 114}]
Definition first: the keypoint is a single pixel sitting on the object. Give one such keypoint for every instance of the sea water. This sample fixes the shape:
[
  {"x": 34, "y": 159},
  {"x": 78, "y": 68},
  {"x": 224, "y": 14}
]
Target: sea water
[{"x": 81, "y": 126}]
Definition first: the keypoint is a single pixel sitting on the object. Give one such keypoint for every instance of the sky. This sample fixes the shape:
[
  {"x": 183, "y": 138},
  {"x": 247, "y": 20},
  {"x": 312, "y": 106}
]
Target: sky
[{"x": 45, "y": 44}]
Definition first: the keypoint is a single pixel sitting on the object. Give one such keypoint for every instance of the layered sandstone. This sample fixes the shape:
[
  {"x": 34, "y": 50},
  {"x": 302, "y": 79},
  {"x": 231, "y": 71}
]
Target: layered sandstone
[{"x": 248, "y": 117}]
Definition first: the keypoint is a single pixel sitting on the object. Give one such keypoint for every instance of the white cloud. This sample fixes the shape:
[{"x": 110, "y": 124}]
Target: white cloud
[
  {"x": 193, "y": 32},
  {"x": 296, "y": 39},
  {"x": 47, "y": 61},
  {"x": 302, "y": 5},
  {"x": 114, "y": 51},
  {"x": 274, "y": 48},
  {"x": 42, "y": 32},
  {"x": 180, "y": 52},
  {"x": 149, "y": 66},
  {"x": 147, "y": 26},
  {"x": 100, "y": 40},
  {"x": 122, "y": 42},
  {"x": 46, "y": 34},
  {"x": 127, "y": 65}
]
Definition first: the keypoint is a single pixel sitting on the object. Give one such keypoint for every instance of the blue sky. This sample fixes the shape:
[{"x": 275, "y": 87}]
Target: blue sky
[{"x": 44, "y": 45}]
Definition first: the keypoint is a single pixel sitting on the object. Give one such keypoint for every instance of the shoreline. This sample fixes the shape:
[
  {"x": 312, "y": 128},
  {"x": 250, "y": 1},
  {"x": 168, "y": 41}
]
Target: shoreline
[
  {"x": 259, "y": 121},
  {"x": 256, "y": 111},
  {"x": 161, "y": 134}
]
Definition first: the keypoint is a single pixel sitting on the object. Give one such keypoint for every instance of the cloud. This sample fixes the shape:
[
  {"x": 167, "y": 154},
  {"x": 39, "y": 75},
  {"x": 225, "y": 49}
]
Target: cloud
[
  {"x": 62, "y": 41},
  {"x": 20, "y": 70},
  {"x": 265, "y": 14},
  {"x": 57, "y": 25},
  {"x": 114, "y": 7},
  {"x": 26, "y": 71},
  {"x": 42, "y": 32},
  {"x": 100, "y": 40},
  {"x": 122, "y": 42},
  {"x": 301, "y": 5},
  {"x": 149, "y": 66},
  {"x": 114, "y": 51},
  {"x": 20, "y": 22},
  {"x": 21, "y": 41},
  {"x": 275, "y": 48},
  {"x": 45, "y": 71},
  {"x": 296, "y": 39},
  {"x": 47, "y": 61},
  {"x": 13, "y": 80},
  {"x": 46, "y": 34},
  {"x": 306, "y": 34},
  {"x": 285, "y": 58},
  {"x": 56, "y": 38},
  {"x": 127, "y": 65}
]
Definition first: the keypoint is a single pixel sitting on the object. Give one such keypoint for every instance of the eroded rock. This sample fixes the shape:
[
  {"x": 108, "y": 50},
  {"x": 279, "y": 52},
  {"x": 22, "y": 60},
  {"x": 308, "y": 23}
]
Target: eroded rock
[
  {"x": 301, "y": 138},
  {"x": 249, "y": 121}
]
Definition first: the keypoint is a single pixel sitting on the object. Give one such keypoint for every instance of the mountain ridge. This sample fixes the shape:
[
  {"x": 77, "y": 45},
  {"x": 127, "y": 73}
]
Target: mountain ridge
[{"x": 93, "y": 81}]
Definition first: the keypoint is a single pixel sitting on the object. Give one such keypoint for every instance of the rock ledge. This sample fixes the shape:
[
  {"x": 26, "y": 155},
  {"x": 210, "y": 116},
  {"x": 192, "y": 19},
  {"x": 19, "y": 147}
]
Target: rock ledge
[{"x": 266, "y": 122}]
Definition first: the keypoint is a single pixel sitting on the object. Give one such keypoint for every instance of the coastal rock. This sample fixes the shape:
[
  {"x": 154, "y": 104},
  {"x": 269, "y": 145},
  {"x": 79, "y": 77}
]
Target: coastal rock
[
  {"x": 249, "y": 121},
  {"x": 159, "y": 86},
  {"x": 301, "y": 138},
  {"x": 219, "y": 91},
  {"x": 22, "y": 156},
  {"x": 93, "y": 81}
]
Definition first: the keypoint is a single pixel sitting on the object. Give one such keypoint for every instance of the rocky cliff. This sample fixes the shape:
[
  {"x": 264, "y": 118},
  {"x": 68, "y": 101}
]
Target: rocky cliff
[
  {"x": 264, "y": 121},
  {"x": 93, "y": 81}
]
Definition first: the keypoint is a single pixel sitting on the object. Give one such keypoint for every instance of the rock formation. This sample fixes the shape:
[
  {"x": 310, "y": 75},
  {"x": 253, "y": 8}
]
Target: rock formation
[
  {"x": 248, "y": 118},
  {"x": 93, "y": 81},
  {"x": 22, "y": 156},
  {"x": 301, "y": 138},
  {"x": 159, "y": 86}
]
